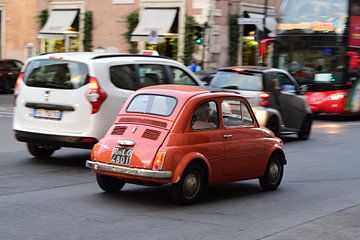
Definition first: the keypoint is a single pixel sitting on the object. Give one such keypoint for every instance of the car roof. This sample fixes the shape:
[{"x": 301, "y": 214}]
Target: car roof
[
  {"x": 89, "y": 56},
  {"x": 182, "y": 93},
  {"x": 185, "y": 92}
]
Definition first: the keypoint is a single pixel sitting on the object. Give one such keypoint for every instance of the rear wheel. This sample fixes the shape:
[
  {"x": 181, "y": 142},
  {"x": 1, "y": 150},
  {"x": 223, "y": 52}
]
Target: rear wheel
[
  {"x": 41, "y": 151},
  {"x": 305, "y": 129},
  {"x": 191, "y": 185},
  {"x": 273, "y": 125},
  {"x": 109, "y": 184},
  {"x": 273, "y": 174}
]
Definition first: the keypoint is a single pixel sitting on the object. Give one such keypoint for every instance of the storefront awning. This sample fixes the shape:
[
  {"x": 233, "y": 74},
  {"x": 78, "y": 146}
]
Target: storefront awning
[
  {"x": 270, "y": 22},
  {"x": 154, "y": 24},
  {"x": 58, "y": 24}
]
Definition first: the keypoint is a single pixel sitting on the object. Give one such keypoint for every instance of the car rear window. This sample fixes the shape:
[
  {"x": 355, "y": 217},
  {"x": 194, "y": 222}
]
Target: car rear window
[
  {"x": 238, "y": 80},
  {"x": 59, "y": 74},
  {"x": 152, "y": 104}
]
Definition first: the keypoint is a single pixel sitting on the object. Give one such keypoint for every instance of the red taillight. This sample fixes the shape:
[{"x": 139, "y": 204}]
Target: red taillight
[
  {"x": 19, "y": 80},
  {"x": 159, "y": 161},
  {"x": 238, "y": 69},
  {"x": 264, "y": 99},
  {"x": 94, "y": 152},
  {"x": 95, "y": 95}
]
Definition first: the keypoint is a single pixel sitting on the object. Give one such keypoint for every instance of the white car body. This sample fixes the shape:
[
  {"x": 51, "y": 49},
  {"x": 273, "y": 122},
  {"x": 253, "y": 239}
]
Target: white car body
[{"x": 78, "y": 126}]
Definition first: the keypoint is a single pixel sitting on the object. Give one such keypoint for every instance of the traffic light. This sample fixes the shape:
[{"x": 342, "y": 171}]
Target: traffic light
[{"x": 198, "y": 35}]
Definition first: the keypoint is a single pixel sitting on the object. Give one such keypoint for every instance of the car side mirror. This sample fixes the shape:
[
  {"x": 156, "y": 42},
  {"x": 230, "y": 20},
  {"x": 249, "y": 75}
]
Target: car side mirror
[{"x": 303, "y": 89}]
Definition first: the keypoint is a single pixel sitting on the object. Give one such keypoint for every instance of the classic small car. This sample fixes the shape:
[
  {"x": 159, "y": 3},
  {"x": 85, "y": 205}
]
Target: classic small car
[{"x": 189, "y": 137}]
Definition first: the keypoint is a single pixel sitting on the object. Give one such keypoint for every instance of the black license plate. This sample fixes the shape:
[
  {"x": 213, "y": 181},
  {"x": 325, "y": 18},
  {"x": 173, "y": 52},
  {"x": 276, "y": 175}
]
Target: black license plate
[{"x": 121, "y": 155}]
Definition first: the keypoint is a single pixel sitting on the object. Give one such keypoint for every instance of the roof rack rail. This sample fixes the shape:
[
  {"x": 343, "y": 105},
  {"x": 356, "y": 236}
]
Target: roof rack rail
[
  {"x": 127, "y": 55},
  {"x": 214, "y": 90}
]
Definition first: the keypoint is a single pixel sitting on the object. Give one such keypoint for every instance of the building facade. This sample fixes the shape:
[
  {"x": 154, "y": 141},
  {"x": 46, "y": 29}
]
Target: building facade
[{"x": 22, "y": 35}]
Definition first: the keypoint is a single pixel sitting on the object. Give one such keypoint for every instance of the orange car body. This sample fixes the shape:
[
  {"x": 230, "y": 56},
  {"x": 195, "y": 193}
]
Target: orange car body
[{"x": 163, "y": 146}]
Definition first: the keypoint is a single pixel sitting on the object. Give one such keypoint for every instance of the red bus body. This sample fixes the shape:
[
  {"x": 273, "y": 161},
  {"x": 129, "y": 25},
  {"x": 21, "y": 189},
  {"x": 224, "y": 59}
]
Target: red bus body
[{"x": 317, "y": 42}]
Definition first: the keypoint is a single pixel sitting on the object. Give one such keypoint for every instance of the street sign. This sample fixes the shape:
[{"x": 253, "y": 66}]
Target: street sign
[
  {"x": 255, "y": 21},
  {"x": 153, "y": 37}
]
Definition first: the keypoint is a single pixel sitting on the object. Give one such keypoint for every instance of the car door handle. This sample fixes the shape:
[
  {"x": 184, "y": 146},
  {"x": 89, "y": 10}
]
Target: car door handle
[{"x": 227, "y": 136}]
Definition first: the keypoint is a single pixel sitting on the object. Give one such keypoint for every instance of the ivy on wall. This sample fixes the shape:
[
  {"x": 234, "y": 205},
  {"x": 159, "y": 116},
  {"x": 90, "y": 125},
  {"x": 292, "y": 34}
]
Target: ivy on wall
[
  {"x": 88, "y": 29},
  {"x": 132, "y": 21},
  {"x": 234, "y": 34},
  {"x": 189, "y": 46},
  {"x": 43, "y": 17}
]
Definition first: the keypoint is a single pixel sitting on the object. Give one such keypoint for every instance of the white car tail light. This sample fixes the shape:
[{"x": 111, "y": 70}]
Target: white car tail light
[
  {"x": 95, "y": 95},
  {"x": 19, "y": 80}
]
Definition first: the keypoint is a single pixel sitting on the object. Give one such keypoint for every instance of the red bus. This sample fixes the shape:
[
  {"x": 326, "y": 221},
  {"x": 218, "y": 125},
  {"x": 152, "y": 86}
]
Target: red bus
[{"x": 318, "y": 42}]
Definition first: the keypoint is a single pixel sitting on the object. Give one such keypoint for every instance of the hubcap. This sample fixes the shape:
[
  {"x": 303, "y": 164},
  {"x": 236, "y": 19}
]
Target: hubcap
[
  {"x": 274, "y": 172},
  {"x": 191, "y": 185}
]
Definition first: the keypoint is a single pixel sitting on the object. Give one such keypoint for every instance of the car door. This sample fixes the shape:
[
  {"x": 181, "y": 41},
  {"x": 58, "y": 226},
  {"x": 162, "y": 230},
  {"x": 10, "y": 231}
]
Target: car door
[
  {"x": 291, "y": 103},
  {"x": 244, "y": 146}
]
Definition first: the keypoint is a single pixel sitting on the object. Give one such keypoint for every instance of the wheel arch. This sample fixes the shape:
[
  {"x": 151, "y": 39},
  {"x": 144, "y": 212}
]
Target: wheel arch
[{"x": 190, "y": 159}]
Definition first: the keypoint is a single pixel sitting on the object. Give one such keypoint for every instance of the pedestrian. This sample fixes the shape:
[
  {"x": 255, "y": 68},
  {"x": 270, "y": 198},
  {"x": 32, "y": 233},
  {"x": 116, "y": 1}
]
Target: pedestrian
[{"x": 193, "y": 65}]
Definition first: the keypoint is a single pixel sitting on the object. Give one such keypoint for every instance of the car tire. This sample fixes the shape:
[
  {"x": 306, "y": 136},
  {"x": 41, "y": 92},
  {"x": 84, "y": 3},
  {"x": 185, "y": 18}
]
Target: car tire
[
  {"x": 273, "y": 125},
  {"x": 190, "y": 186},
  {"x": 40, "y": 151},
  {"x": 305, "y": 129},
  {"x": 109, "y": 184},
  {"x": 273, "y": 174}
]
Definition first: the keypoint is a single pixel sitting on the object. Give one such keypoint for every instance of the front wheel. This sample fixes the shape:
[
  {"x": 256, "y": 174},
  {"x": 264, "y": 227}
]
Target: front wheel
[
  {"x": 109, "y": 184},
  {"x": 41, "y": 151},
  {"x": 273, "y": 175},
  {"x": 190, "y": 186}
]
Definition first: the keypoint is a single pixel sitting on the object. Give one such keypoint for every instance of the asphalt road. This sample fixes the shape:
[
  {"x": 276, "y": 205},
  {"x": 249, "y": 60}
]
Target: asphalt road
[{"x": 58, "y": 198}]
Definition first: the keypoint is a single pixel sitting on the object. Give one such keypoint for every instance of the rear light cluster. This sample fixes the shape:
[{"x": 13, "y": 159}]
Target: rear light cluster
[
  {"x": 19, "y": 80},
  {"x": 95, "y": 95},
  {"x": 264, "y": 99},
  {"x": 159, "y": 161}
]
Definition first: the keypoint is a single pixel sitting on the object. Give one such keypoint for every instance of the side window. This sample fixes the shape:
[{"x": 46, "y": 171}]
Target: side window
[
  {"x": 124, "y": 76},
  {"x": 205, "y": 116},
  {"x": 151, "y": 74},
  {"x": 286, "y": 84},
  {"x": 235, "y": 113},
  {"x": 179, "y": 76}
]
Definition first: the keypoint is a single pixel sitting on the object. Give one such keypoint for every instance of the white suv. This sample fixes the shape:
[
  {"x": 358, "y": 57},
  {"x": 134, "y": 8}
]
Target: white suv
[{"x": 71, "y": 99}]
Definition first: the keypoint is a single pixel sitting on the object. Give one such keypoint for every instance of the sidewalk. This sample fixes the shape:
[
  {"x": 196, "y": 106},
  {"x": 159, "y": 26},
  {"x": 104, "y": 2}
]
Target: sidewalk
[{"x": 340, "y": 225}]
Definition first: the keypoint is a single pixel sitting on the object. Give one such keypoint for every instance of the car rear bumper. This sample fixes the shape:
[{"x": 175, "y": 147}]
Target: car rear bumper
[
  {"x": 127, "y": 170},
  {"x": 57, "y": 140}
]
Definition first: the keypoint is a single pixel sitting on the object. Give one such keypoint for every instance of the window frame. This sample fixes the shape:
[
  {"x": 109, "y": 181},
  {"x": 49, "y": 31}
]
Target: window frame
[{"x": 242, "y": 103}]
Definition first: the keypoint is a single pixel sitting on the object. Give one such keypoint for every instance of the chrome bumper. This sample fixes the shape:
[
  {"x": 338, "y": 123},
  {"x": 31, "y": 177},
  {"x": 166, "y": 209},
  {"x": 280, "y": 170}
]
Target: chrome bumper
[{"x": 128, "y": 171}]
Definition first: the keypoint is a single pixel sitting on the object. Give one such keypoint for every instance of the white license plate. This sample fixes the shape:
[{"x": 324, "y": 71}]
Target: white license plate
[
  {"x": 47, "y": 114},
  {"x": 121, "y": 155}
]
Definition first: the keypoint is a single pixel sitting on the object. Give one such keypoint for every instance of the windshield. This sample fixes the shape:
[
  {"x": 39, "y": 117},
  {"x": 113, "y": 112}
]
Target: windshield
[
  {"x": 152, "y": 104},
  {"x": 56, "y": 74},
  {"x": 313, "y": 15},
  {"x": 311, "y": 62},
  {"x": 238, "y": 80}
]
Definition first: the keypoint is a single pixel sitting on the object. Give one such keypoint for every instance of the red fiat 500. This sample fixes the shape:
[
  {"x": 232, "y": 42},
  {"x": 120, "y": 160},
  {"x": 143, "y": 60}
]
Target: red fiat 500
[{"x": 189, "y": 137}]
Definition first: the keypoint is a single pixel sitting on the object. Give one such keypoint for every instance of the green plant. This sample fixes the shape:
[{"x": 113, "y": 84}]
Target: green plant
[
  {"x": 132, "y": 21},
  {"x": 43, "y": 17},
  {"x": 189, "y": 46},
  {"x": 234, "y": 35},
  {"x": 88, "y": 28}
]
